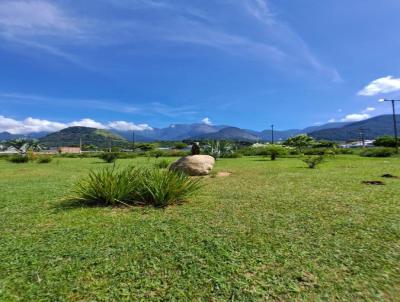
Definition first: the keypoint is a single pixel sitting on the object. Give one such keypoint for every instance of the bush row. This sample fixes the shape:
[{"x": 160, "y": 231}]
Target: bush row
[
  {"x": 20, "y": 159},
  {"x": 378, "y": 152}
]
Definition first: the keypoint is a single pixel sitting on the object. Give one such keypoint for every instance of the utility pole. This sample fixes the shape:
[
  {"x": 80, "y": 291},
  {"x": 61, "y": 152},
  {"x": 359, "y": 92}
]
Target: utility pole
[
  {"x": 80, "y": 144},
  {"x": 396, "y": 139},
  {"x": 272, "y": 134},
  {"x": 109, "y": 145}
]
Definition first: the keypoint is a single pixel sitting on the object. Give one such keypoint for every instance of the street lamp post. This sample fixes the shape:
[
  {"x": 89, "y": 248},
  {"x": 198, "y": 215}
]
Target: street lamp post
[{"x": 394, "y": 122}]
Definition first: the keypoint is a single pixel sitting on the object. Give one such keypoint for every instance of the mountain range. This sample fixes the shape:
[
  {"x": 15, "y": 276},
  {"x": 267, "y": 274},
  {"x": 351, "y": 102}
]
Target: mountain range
[
  {"x": 369, "y": 129},
  {"x": 341, "y": 131},
  {"x": 73, "y": 136}
]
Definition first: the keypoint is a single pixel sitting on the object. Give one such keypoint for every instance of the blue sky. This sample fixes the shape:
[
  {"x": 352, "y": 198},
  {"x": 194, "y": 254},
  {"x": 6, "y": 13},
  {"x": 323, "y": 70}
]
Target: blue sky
[{"x": 137, "y": 64}]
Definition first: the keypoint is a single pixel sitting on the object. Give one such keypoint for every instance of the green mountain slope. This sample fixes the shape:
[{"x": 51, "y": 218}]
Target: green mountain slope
[
  {"x": 90, "y": 136},
  {"x": 229, "y": 133},
  {"x": 371, "y": 128}
]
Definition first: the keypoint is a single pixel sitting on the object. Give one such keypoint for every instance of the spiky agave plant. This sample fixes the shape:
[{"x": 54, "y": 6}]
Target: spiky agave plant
[{"x": 218, "y": 149}]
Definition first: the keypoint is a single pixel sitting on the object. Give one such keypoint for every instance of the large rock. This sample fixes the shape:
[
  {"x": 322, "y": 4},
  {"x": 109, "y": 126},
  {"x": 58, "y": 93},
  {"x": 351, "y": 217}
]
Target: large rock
[{"x": 194, "y": 165}]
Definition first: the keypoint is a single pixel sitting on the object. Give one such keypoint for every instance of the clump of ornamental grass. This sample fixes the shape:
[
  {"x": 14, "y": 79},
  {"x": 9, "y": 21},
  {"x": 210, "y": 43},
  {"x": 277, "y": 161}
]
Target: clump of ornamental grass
[
  {"x": 313, "y": 160},
  {"x": 134, "y": 186},
  {"x": 161, "y": 188},
  {"x": 108, "y": 186}
]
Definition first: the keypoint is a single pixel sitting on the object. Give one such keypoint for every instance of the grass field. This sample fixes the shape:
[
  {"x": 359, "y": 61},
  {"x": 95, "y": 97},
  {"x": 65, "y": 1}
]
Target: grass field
[{"x": 271, "y": 231}]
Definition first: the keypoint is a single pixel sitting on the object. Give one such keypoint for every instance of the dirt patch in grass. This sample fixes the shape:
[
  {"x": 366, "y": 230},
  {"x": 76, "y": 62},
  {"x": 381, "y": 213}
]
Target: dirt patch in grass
[
  {"x": 389, "y": 176},
  {"x": 224, "y": 174},
  {"x": 373, "y": 182}
]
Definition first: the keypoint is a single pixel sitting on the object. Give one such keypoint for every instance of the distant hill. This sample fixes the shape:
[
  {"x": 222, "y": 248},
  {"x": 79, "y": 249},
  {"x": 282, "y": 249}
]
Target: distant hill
[
  {"x": 90, "y": 136},
  {"x": 281, "y": 135},
  {"x": 34, "y": 135},
  {"x": 372, "y": 128},
  {"x": 325, "y": 126},
  {"x": 266, "y": 135},
  {"x": 7, "y": 136},
  {"x": 174, "y": 132},
  {"x": 229, "y": 133}
]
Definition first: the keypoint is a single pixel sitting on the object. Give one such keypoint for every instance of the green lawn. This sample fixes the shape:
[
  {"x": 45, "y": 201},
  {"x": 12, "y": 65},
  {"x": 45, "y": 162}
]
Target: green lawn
[{"x": 271, "y": 231}]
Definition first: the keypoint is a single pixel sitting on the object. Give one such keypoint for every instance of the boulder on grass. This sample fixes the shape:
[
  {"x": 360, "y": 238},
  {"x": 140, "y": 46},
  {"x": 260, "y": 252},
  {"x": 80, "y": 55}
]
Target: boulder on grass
[{"x": 194, "y": 165}]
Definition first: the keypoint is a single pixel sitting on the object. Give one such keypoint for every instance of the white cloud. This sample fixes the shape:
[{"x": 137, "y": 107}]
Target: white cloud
[
  {"x": 369, "y": 109},
  {"x": 28, "y": 125},
  {"x": 43, "y": 26},
  {"x": 206, "y": 121},
  {"x": 380, "y": 86},
  {"x": 34, "y": 16},
  {"x": 126, "y": 126},
  {"x": 87, "y": 122},
  {"x": 355, "y": 117},
  {"x": 32, "y": 125},
  {"x": 332, "y": 120}
]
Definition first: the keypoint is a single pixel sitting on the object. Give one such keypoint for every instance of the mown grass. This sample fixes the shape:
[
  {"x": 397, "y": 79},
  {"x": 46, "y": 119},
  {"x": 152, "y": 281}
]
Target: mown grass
[{"x": 273, "y": 230}]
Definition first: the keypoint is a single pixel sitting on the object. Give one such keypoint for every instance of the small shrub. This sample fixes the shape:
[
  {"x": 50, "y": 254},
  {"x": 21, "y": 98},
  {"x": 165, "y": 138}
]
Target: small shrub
[
  {"x": 313, "y": 160},
  {"x": 300, "y": 142},
  {"x": 109, "y": 157},
  {"x": 145, "y": 146},
  {"x": 377, "y": 152},
  {"x": 44, "y": 159},
  {"x": 162, "y": 164},
  {"x": 294, "y": 152},
  {"x": 344, "y": 151},
  {"x": 275, "y": 151},
  {"x": 156, "y": 153},
  {"x": 180, "y": 145},
  {"x": 18, "y": 159},
  {"x": 32, "y": 156}
]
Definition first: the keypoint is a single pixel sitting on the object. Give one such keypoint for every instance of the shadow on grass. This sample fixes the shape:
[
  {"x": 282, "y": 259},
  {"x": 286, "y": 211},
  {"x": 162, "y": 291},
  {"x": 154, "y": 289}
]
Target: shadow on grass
[
  {"x": 71, "y": 204},
  {"x": 74, "y": 204}
]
